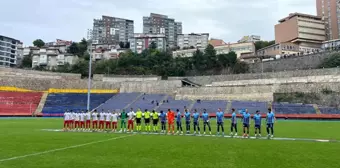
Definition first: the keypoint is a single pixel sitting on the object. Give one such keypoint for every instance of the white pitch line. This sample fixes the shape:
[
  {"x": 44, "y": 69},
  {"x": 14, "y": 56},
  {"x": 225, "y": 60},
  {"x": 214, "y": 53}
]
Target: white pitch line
[{"x": 65, "y": 148}]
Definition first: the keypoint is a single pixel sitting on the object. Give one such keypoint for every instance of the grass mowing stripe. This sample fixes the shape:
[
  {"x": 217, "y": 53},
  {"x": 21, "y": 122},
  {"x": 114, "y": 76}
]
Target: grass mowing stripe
[
  {"x": 65, "y": 148},
  {"x": 202, "y": 135}
]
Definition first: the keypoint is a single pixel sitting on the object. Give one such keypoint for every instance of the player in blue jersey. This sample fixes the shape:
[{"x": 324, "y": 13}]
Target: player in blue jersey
[
  {"x": 196, "y": 117},
  {"x": 206, "y": 121},
  {"x": 246, "y": 123},
  {"x": 270, "y": 119},
  {"x": 257, "y": 120},
  {"x": 233, "y": 123},
  {"x": 179, "y": 122},
  {"x": 220, "y": 118},
  {"x": 187, "y": 116},
  {"x": 162, "y": 116}
]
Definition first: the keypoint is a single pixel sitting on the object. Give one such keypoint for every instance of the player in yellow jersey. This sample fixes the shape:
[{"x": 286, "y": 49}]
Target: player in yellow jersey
[
  {"x": 139, "y": 115},
  {"x": 147, "y": 116},
  {"x": 155, "y": 119}
]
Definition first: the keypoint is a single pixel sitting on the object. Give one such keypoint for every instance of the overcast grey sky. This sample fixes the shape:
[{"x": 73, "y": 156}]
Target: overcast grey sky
[{"x": 229, "y": 20}]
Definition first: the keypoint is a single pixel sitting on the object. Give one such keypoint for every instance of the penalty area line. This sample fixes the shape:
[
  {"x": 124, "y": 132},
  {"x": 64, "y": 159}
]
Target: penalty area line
[{"x": 65, "y": 148}]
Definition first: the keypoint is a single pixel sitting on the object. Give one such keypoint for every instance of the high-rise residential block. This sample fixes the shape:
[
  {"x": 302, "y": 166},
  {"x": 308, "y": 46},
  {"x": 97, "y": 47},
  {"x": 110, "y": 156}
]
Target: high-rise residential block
[
  {"x": 10, "y": 51},
  {"x": 162, "y": 24},
  {"x": 112, "y": 30},
  {"x": 329, "y": 11}
]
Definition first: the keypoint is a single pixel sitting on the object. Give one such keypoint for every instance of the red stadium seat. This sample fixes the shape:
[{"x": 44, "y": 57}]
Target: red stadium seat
[{"x": 19, "y": 103}]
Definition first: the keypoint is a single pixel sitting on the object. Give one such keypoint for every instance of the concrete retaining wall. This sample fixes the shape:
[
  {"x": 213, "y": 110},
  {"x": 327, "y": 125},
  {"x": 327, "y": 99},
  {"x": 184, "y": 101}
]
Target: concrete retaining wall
[
  {"x": 259, "y": 93},
  {"x": 204, "y": 80},
  {"x": 164, "y": 87},
  {"x": 13, "y": 72},
  {"x": 125, "y": 78},
  {"x": 291, "y": 63},
  {"x": 306, "y": 79}
]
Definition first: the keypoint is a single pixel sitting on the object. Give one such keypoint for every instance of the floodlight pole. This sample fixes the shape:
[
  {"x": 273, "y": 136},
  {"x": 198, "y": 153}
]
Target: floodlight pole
[{"x": 89, "y": 78}]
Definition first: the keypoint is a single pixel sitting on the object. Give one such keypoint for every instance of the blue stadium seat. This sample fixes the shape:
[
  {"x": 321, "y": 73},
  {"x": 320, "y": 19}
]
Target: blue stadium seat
[
  {"x": 174, "y": 104},
  {"x": 329, "y": 110},
  {"x": 252, "y": 106},
  {"x": 284, "y": 108},
  {"x": 211, "y": 105},
  {"x": 145, "y": 102},
  {"x": 58, "y": 103},
  {"x": 119, "y": 101}
]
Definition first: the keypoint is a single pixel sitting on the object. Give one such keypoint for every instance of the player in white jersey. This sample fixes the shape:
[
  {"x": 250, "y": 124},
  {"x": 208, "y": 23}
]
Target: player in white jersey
[
  {"x": 108, "y": 116},
  {"x": 88, "y": 120},
  {"x": 82, "y": 120},
  {"x": 131, "y": 117},
  {"x": 72, "y": 117},
  {"x": 101, "y": 120},
  {"x": 77, "y": 120},
  {"x": 66, "y": 120},
  {"x": 114, "y": 116},
  {"x": 94, "y": 120}
]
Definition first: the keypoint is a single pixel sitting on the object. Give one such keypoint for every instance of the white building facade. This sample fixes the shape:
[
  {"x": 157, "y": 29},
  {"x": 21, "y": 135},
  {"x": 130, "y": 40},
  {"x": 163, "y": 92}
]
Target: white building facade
[
  {"x": 49, "y": 57},
  {"x": 239, "y": 48},
  {"x": 10, "y": 51},
  {"x": 193, "y": 40}
]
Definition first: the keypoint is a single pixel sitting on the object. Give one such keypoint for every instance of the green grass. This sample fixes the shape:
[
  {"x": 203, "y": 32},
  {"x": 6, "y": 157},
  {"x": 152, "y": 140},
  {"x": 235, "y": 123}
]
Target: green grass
[{"x": 20, "y": 137}]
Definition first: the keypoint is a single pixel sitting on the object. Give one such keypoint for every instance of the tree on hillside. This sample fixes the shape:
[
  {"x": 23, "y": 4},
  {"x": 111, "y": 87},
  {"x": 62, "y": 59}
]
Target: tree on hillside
[
  {"x": 27, "y": 61},
  {"x": 121, "y": 44},
  {"x": 199, "y": 61},
  {"x": 82, "y": 47},
  {"x": 240, "y": 67},
  {"x": 210, "y": 56},
  {"x": 73, "y": 49},
  {"x": 262, "y": 44},
  {"x": 331, "y": 62},
  {"x": 127, "y": 45},
  {"x": 39, "y": 43},
  {"x": 153, "y": 45}
]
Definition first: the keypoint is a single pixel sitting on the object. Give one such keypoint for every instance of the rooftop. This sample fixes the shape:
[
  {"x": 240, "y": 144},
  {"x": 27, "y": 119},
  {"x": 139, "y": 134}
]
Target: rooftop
[
  {"x": 10, "y": 38},
  {"x": 291, "y": 15}
]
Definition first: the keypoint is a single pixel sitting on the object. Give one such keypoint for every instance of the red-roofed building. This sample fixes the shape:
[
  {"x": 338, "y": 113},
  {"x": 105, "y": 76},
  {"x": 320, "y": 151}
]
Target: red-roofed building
[{"x": 217, "y": 42}]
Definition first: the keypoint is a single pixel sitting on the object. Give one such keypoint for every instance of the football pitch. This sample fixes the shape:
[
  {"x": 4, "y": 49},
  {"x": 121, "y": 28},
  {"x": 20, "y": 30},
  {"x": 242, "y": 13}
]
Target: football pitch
[{"x": 24, "y": 143}]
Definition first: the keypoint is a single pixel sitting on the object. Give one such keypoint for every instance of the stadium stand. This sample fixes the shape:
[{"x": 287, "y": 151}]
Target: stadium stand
[
  {"x": 329, "y": 110},
  {"x": 210, "y": 105},
  {"x": 253, "y": 91},
  {"x": 119, "y": 101},
  {"x": 57, "y": 104},
  {"x": 252, "y": 106},
  {"x": 174, "y": 104},
  {"x": 284, "y": 108},
  {"x": 148, "y": 101},
  {"x": 19, "y": 103}
]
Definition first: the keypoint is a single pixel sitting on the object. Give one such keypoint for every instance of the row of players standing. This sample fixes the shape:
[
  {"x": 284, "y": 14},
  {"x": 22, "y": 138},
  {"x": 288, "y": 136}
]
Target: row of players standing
[{"x": 82, "y": 121}]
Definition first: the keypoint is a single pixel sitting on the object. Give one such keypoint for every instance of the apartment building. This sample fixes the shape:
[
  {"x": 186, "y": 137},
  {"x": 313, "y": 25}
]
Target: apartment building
[
  {"x": 111, "y": 30},
  {"x": 142, "y": 41},
  {"x": 58, "y": 42},
  {"x": 239, "y": 48},
  {"x": 193, "y": 40},
  {"x": 10, "y": 51},
  {"x": 49, "y": 57},
  {"x": 106, "y": 54},
  {"x": 162, "y": 24},
  {"x": 307, "y": 31},
  {"x": 329, "y": 11}
]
